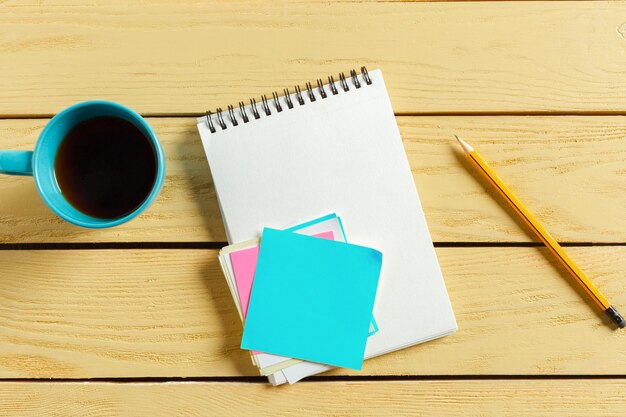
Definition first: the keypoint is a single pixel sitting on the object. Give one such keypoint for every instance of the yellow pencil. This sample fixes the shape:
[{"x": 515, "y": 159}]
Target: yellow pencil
[{"x": 542, "y": 234}]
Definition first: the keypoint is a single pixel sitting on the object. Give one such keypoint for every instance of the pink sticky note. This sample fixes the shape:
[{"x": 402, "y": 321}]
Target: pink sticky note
[{"x": 244, "y": 265}]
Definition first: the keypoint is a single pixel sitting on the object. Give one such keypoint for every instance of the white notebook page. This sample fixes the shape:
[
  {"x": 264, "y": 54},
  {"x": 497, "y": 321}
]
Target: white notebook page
[{"x": 341, "y": 154}]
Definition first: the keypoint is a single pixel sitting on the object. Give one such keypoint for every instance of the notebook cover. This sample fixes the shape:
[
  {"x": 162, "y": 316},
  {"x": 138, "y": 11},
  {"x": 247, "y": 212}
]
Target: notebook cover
[{"x": 343, "y": 154}]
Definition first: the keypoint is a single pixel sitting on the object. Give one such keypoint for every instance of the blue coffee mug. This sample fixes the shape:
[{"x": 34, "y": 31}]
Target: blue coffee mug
[{"x": 40, "y": 162}]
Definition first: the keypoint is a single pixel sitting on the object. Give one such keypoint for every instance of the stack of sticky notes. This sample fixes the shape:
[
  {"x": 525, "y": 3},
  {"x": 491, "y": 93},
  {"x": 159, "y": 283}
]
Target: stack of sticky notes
[{"x": 305, "y": 296}]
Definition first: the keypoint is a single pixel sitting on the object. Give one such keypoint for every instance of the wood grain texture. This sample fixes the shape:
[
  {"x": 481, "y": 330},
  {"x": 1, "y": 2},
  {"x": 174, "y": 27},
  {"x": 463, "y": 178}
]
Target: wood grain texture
[
  {"x": 189, "y": 56},
  {"x": 168, "y": 313},
  {"x": 569, "y": 171},
  {"x": 498, "y": 398}
]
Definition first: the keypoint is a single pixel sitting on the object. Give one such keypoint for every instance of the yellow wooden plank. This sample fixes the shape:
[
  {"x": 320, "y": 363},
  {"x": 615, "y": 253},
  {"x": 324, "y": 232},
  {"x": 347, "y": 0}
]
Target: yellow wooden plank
[
  {"x": 498, "y": 398},
  {"x": 168, "y": 313},
  {"x": 568, "y": 170},
  {"x": 189, "y": 56}
]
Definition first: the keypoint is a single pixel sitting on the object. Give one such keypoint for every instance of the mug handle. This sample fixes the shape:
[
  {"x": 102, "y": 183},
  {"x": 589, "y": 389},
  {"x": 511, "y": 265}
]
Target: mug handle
[{"x": 16, "y": 162}]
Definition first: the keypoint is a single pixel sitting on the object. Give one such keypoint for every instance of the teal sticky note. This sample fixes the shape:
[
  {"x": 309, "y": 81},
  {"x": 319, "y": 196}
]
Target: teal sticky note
[{"x": 326, "y": 291}]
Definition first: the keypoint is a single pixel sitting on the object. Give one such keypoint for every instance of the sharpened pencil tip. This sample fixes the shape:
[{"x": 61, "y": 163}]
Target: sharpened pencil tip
[
  {"x": 466, "y": 146},
  {"x": 615, "y": 317}
]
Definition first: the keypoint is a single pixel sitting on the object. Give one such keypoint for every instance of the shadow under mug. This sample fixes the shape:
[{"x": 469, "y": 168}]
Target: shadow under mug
[{"x": 40, "y": 162}]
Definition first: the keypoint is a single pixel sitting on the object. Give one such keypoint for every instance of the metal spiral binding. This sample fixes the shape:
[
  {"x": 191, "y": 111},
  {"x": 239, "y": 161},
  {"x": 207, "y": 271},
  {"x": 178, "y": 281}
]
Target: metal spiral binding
[
  {"x": 220, "y": 119},
  {"x": 209, "y": 122},
  {"x": 333, "y": 87},
  {"x": 320, "y": 87},
  {"x": 255, "y": 112},
  {"x": 288, "y": 98},
  {"x": 309, "y": 89},
  {"x": 231, "y": 114},
  {"x": 299, "y": 95},
  {"x": 242, "y": 114},
  {"x": 343, "y": 82},
  {"x": 266, "y": 107},
  {"x": 276, "y": 102}
]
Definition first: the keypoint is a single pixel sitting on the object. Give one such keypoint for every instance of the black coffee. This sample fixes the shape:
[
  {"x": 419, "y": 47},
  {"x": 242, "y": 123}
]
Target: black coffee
[{"x": 106, "y": 167}]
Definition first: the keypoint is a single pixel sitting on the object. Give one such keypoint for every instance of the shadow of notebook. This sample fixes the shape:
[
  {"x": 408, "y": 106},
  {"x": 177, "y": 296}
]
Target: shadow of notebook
[{"x": 342, "y": 153}]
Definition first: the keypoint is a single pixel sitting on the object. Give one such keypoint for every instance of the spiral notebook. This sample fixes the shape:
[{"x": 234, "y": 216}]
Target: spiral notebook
[{"x": 334, "y": 147}]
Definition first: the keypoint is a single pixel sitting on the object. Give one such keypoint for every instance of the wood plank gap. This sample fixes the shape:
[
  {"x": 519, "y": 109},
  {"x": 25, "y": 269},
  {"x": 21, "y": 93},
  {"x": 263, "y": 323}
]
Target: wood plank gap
[
  {"x": 329, "y": 378},
  {"x": 519, "y": 244},
  {"x": 397, "y": 114},
  {"x": 219, "y": 245},
  {"x": 113, "y": 245}
]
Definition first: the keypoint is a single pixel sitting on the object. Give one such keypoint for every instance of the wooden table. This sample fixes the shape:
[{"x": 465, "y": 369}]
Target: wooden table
[{"x": 138, "y": 319}]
